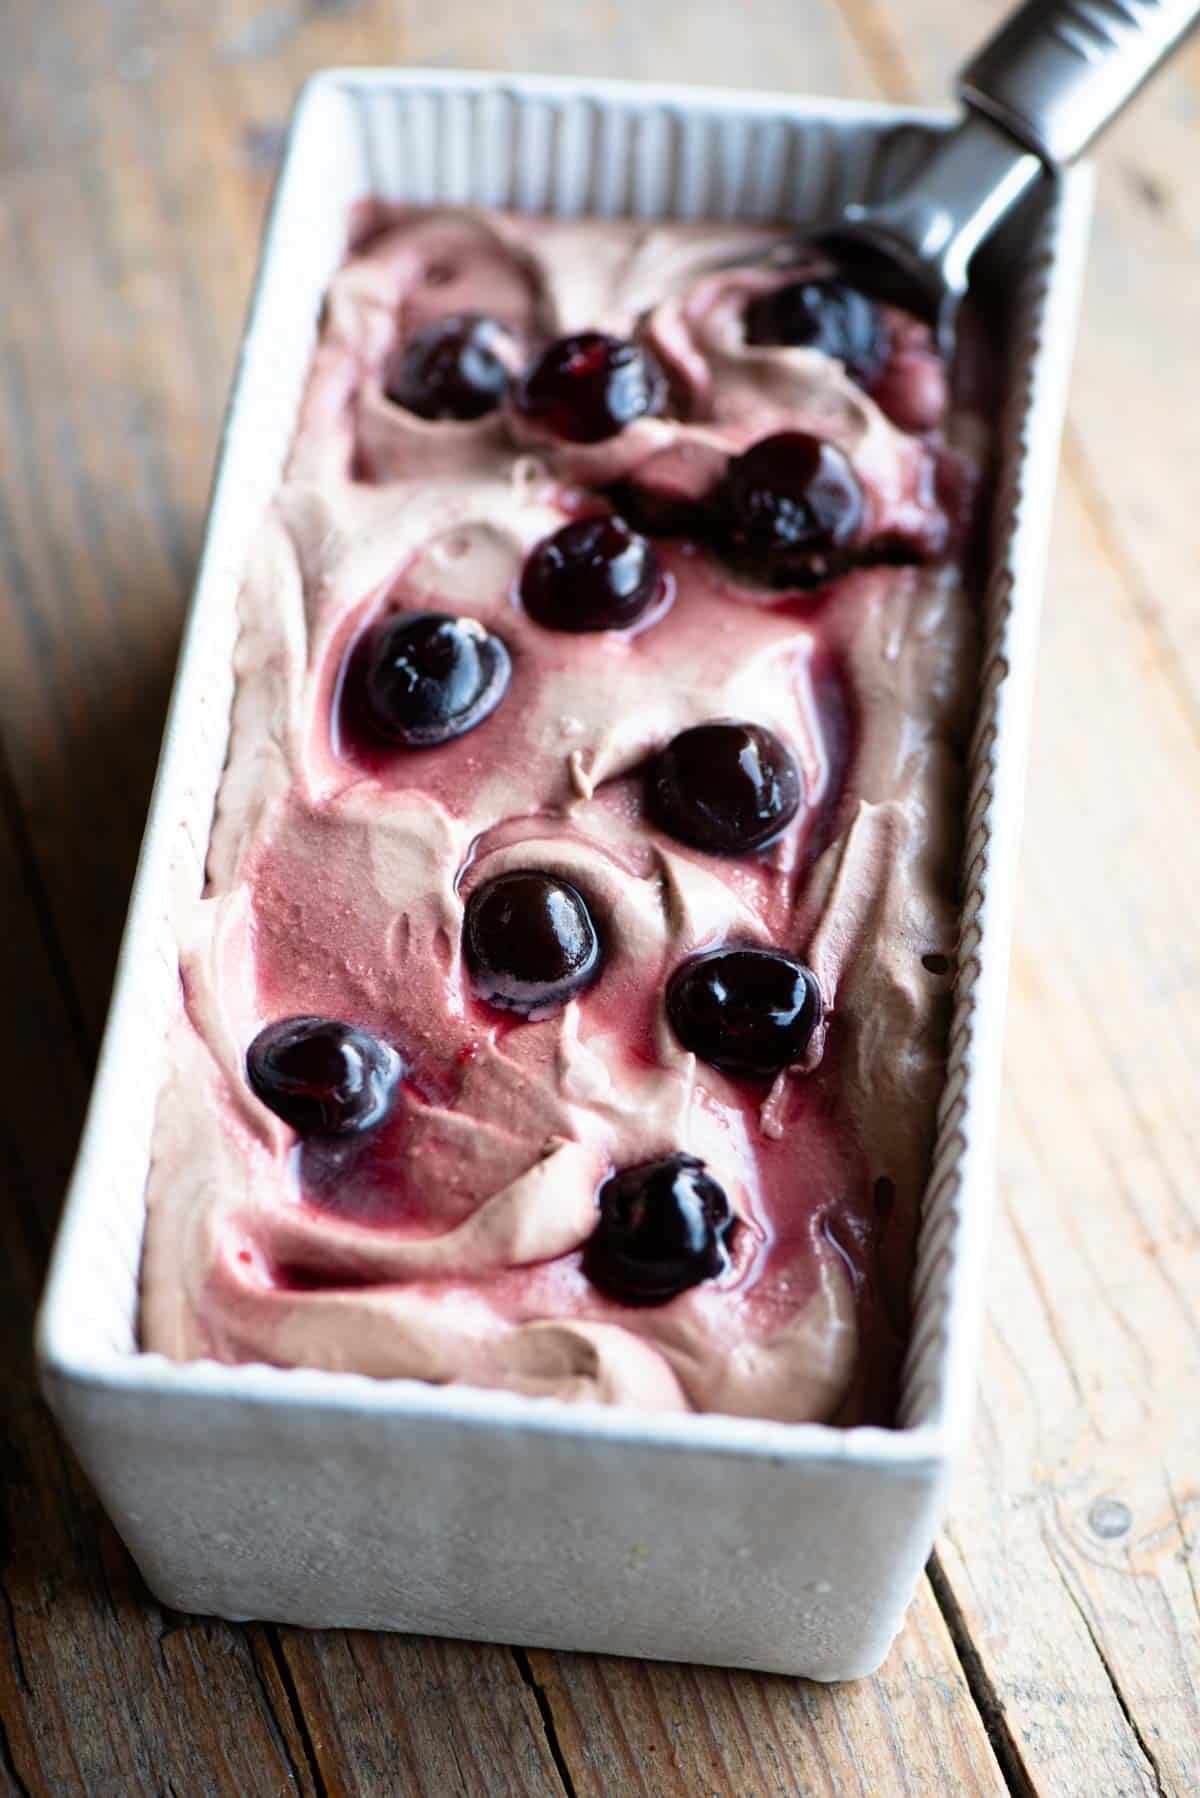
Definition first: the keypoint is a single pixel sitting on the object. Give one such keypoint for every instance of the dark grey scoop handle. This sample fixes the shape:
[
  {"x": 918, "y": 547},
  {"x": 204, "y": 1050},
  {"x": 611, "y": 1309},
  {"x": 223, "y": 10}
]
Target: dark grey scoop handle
[
  {"x": 1049, "y": 81},
  {"x": 1059, "y": 71}
]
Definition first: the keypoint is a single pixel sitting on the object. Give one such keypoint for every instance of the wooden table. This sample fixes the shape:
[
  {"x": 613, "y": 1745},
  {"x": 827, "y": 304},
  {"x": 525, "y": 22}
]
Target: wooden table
[{"x": 1055, "y": 1645}]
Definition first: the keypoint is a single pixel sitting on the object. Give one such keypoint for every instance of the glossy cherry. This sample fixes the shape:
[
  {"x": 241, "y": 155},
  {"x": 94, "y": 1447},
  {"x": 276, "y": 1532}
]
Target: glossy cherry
[
  {"x": 427, "y": 677},
  {"x": 786, "y": 499},
  {"x": 451, "y": 369},
  {"x": 594, "y": 574},
  {"x": 587, "y": 387},
  {"x": 530, "y": 941},
  {"x": 726, "y": 786},
  {"x": 663, "y": 1227},
  {"x": 321, "y": 1076},
  {"x": 822, "y": 314},
  {"x": 748, "y": 1011}
]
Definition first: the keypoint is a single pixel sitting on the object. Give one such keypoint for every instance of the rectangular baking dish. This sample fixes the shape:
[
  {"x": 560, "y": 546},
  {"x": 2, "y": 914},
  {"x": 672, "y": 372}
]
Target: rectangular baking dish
[{"x": 333, "y": 1499}]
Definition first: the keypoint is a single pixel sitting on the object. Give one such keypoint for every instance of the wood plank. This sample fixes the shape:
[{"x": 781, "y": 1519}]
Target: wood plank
[
  {"x": 724, "y": 44},
  {"x": 101, "y": 1691},
  {"x": 631, "y": 1729},
  {"x": 1070, "y": 1547},
  {"x": 412, "y": 1715}
]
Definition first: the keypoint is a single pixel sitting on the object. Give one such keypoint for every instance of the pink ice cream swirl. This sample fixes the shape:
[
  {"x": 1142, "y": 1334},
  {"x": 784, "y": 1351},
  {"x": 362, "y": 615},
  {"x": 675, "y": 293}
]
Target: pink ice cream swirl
[{"x": 447, "y": 1243}]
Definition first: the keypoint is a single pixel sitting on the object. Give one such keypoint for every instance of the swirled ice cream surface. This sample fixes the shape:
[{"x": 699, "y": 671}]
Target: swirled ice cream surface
[{"x": 445, "y": 1244}]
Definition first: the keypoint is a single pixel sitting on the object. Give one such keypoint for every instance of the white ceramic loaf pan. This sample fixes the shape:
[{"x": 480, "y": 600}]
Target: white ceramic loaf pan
[{"x": 333, "y": 1499}]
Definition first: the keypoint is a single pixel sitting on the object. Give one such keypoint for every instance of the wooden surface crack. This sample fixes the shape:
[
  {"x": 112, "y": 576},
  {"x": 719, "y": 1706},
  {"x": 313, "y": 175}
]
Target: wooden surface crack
[
  {"x": 1187, "y": 1545},
  {"x": 269, "y": 1636},
  {"x": 1152, "y": 1767},
  {"x": 988, "y": 1702},
  {"x": 8, "y": 1766},
  {"x": 14, "y": 1641},
  {"x": 549, "y": 1729},
  {"x": 879, "y": 34},
  {"x": 1049, "y": 1313},
  {"x": 1150, "y": 614},
  {"x": 42, "y": 906}
]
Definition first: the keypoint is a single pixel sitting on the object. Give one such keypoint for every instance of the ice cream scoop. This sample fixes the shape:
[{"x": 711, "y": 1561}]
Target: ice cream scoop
[{"x": 1051, "y": 79}]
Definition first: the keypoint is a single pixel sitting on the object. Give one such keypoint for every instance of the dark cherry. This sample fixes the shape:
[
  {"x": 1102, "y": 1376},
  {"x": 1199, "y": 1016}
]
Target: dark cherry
[
  {"x": 427, "y": 677},
  {"x": 663, "y": 1226},
  {"x": 450, "y": 369},
  {"x": 594, "y": 574},
  {"x": 724, "y": 786},
  {"x": 748, "y": 1011},
  {"x": 590, "y": 386},
  {"x": 322, "y": 1077},
  {"x": 530, "y": 942},
  {"x": 822, "y": 314},
  {"x": 786, "y": 499}
]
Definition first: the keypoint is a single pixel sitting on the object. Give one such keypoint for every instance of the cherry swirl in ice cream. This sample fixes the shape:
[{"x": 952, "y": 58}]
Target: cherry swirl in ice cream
[{"x": 557, "y": 1014}]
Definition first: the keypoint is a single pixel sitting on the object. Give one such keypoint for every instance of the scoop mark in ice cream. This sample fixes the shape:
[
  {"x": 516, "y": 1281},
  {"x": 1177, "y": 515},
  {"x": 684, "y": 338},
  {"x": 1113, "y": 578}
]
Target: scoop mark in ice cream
[
  {"x": 725, "y": 786},
  {"x": 530, "y": 942},
  {"x": 663, "y": 1227},
  {"x": 321, "y": 1076},
  {"x": 746, "y": 1011}
]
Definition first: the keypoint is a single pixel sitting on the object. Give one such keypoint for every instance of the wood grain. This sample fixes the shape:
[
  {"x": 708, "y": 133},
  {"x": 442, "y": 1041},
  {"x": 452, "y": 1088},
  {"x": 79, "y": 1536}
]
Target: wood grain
[
  {"x": 101, "y": 1691},
  {"x": 413, "y": 1715},
  {"x": 137, "y": 144},
  {"x": 631, "y": 1728},
  {"x": 1071, "y": 1547},
  {"x": 1085, "y": 1472}
]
